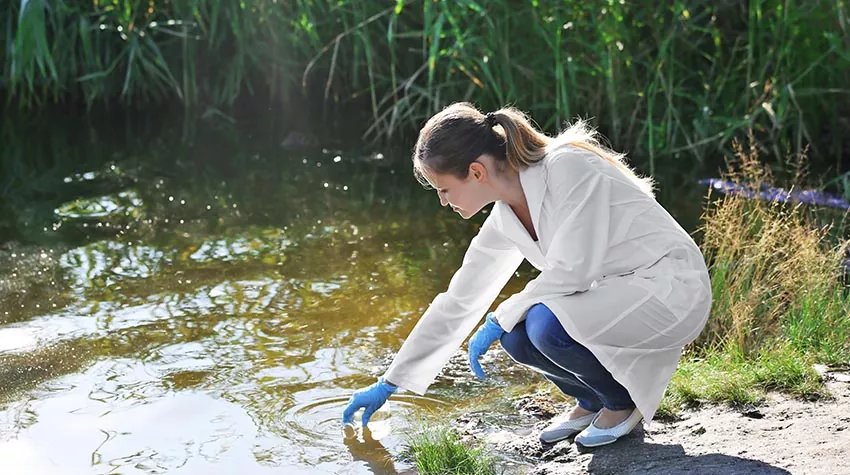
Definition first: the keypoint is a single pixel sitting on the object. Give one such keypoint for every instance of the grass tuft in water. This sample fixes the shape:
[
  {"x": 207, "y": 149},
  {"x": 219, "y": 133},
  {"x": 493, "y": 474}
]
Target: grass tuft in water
[{"x": 441, "y": 451}]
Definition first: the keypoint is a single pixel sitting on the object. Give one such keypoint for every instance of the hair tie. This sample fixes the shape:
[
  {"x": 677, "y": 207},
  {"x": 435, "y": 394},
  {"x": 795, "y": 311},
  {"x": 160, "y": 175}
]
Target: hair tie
[{"x": 490, "y": 119}]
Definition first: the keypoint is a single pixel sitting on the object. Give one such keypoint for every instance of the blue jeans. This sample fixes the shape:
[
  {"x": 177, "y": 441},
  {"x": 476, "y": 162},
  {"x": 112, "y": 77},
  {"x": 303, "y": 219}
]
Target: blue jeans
[{"x": 542, "y": 343}]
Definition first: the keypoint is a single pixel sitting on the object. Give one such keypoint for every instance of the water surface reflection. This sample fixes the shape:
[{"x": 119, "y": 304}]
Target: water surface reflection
[{"x": 222, "y": 322}]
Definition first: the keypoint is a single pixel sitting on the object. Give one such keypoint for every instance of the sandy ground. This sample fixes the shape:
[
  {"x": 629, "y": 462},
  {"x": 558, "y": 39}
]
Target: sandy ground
[{"x": 782, "y": 436}]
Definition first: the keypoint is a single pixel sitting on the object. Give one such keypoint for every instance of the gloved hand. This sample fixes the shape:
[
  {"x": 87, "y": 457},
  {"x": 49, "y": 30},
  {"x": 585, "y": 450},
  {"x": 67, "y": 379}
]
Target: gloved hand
[
  {"x": 484, "y": 337},
  {"x": 370, "y": 399}
]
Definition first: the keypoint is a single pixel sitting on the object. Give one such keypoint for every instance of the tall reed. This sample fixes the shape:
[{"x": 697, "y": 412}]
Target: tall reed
[{"x": 671, "y": 82}]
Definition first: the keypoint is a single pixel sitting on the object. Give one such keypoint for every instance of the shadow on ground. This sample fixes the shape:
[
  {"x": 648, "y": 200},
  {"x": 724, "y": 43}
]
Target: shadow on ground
[{"x": 636, "y": 455}]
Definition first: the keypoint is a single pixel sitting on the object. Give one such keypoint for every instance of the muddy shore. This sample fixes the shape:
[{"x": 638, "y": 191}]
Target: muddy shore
[{"x": 781, "y": 436}]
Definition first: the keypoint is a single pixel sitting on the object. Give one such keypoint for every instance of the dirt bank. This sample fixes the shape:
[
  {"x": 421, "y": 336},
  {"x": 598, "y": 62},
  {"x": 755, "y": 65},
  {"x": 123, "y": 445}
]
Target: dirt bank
[{"x": 782, "y": 436}]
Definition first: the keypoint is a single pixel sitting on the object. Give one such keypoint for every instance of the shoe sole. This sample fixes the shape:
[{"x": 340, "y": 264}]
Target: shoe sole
[{"x": 600, "y": 444}]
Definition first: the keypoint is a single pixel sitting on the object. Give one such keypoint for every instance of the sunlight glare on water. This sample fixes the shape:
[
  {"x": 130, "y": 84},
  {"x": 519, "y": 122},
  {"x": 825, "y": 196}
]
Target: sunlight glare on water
[{"x": 224, "y": 327}]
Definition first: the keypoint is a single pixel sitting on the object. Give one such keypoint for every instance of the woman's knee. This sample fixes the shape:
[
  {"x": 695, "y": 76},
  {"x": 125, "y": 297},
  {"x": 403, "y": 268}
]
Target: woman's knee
[
  {"x": 516, "y": 343},
  {"x": 545, "y": 331}
]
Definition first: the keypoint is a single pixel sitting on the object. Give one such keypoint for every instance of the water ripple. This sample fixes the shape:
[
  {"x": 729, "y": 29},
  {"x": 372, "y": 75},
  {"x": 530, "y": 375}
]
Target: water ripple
[{"x": 320, "y": 420}]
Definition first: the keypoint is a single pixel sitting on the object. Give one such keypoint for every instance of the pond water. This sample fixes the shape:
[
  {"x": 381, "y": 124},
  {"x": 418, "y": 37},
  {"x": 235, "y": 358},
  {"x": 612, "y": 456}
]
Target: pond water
[{"x": 213, "y": 315}]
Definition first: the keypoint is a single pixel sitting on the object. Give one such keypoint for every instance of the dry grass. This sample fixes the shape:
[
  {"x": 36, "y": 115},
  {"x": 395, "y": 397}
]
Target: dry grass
[
  {"x": 780, "y": 302},
  {"x": 773, "y": 267}
]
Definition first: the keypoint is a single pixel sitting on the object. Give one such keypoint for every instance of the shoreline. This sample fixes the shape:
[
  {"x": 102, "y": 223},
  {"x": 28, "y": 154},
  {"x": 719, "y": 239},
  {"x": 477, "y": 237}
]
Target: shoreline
[{"x": 784, "y": 435}]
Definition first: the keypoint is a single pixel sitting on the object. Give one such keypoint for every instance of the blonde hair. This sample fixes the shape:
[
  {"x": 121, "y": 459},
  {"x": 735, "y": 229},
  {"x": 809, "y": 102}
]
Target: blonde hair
[{"x": 457, "y": 135}]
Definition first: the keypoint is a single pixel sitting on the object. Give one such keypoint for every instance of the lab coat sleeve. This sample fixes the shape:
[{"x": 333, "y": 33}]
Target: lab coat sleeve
[
  {"x": 581, "y": 198},
  {"x": 488, "y": 264}
]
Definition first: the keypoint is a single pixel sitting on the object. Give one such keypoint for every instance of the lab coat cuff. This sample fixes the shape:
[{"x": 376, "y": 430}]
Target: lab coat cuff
[{"x": 405, "y": 384}]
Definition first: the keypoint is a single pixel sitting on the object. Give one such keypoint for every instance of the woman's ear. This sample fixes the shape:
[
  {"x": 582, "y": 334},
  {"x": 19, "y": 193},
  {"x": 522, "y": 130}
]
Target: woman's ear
[{"x": 477, "y": 170}]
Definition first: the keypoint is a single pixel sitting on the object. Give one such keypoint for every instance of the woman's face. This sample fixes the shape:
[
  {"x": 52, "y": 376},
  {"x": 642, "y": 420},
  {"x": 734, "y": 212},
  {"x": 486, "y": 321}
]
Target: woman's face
[{"x": 466, "y": 196}]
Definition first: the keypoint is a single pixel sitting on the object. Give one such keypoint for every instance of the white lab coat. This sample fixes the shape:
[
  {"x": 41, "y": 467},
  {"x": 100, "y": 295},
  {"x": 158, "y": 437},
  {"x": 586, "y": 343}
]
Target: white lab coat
[{"x": 622, "y": 276}]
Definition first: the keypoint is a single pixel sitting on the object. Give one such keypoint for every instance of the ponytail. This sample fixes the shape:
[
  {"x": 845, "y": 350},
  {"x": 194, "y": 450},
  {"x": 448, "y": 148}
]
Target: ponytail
[{"x": 524, "y": 145}]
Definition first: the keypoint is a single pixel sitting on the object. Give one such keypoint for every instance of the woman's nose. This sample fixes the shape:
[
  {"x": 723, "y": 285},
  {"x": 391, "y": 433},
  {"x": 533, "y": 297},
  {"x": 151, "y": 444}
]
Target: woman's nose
[{"x": 443, "y": 200}]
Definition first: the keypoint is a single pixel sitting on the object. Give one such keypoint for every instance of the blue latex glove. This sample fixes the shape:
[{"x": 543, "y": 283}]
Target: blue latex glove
[
  {"x": 370, "y": 399},
  {"x": 484, "y": 337}
]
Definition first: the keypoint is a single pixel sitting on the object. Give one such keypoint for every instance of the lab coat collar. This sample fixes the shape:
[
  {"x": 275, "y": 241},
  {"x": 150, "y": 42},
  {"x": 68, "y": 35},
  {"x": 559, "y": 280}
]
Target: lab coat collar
[{"x": 533, "y": 181}]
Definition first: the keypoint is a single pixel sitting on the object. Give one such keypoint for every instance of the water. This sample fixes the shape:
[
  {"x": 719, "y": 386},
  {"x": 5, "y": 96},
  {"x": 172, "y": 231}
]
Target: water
[{"x": 211, "y": 312}]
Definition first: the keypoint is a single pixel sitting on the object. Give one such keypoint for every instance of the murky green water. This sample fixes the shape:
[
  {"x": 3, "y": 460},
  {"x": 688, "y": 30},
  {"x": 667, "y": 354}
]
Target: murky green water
[
  {"x": 213, "y": 314},
  {"x": 216, "y": 318}
]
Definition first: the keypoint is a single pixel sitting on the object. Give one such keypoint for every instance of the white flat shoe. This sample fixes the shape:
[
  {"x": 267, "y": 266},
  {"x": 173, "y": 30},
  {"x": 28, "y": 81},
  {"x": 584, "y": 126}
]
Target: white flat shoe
[
  {"x": 593, "y": 436},
  {"x": 561, "y": 428}
]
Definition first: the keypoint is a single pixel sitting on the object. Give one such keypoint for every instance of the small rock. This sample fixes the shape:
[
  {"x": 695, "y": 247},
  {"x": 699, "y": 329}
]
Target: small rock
[
  {"x": 537, "y": 405},
  {"x": 698, "y": 431},
  {"x": 777, "y": 427},
  {"x": 525, "y": 446},
  {"x": 499, "y": 437},
  {"x": 753, "y": 414},
  {"x": 562, "y": 451}
]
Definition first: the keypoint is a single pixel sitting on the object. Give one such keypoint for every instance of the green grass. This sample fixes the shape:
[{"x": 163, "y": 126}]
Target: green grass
[
  {"x": 780, "y": 304},
  {"x": 775, "y": 271},
  {"x": 819, "y": 325},
  {"x": 725, "y": 376},
  {"x": 438, "y": 451},
  {"x": 673, "y": 82}
]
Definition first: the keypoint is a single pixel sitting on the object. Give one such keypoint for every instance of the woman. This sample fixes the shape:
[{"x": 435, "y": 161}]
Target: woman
[{"x": 622, "y": 287}]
